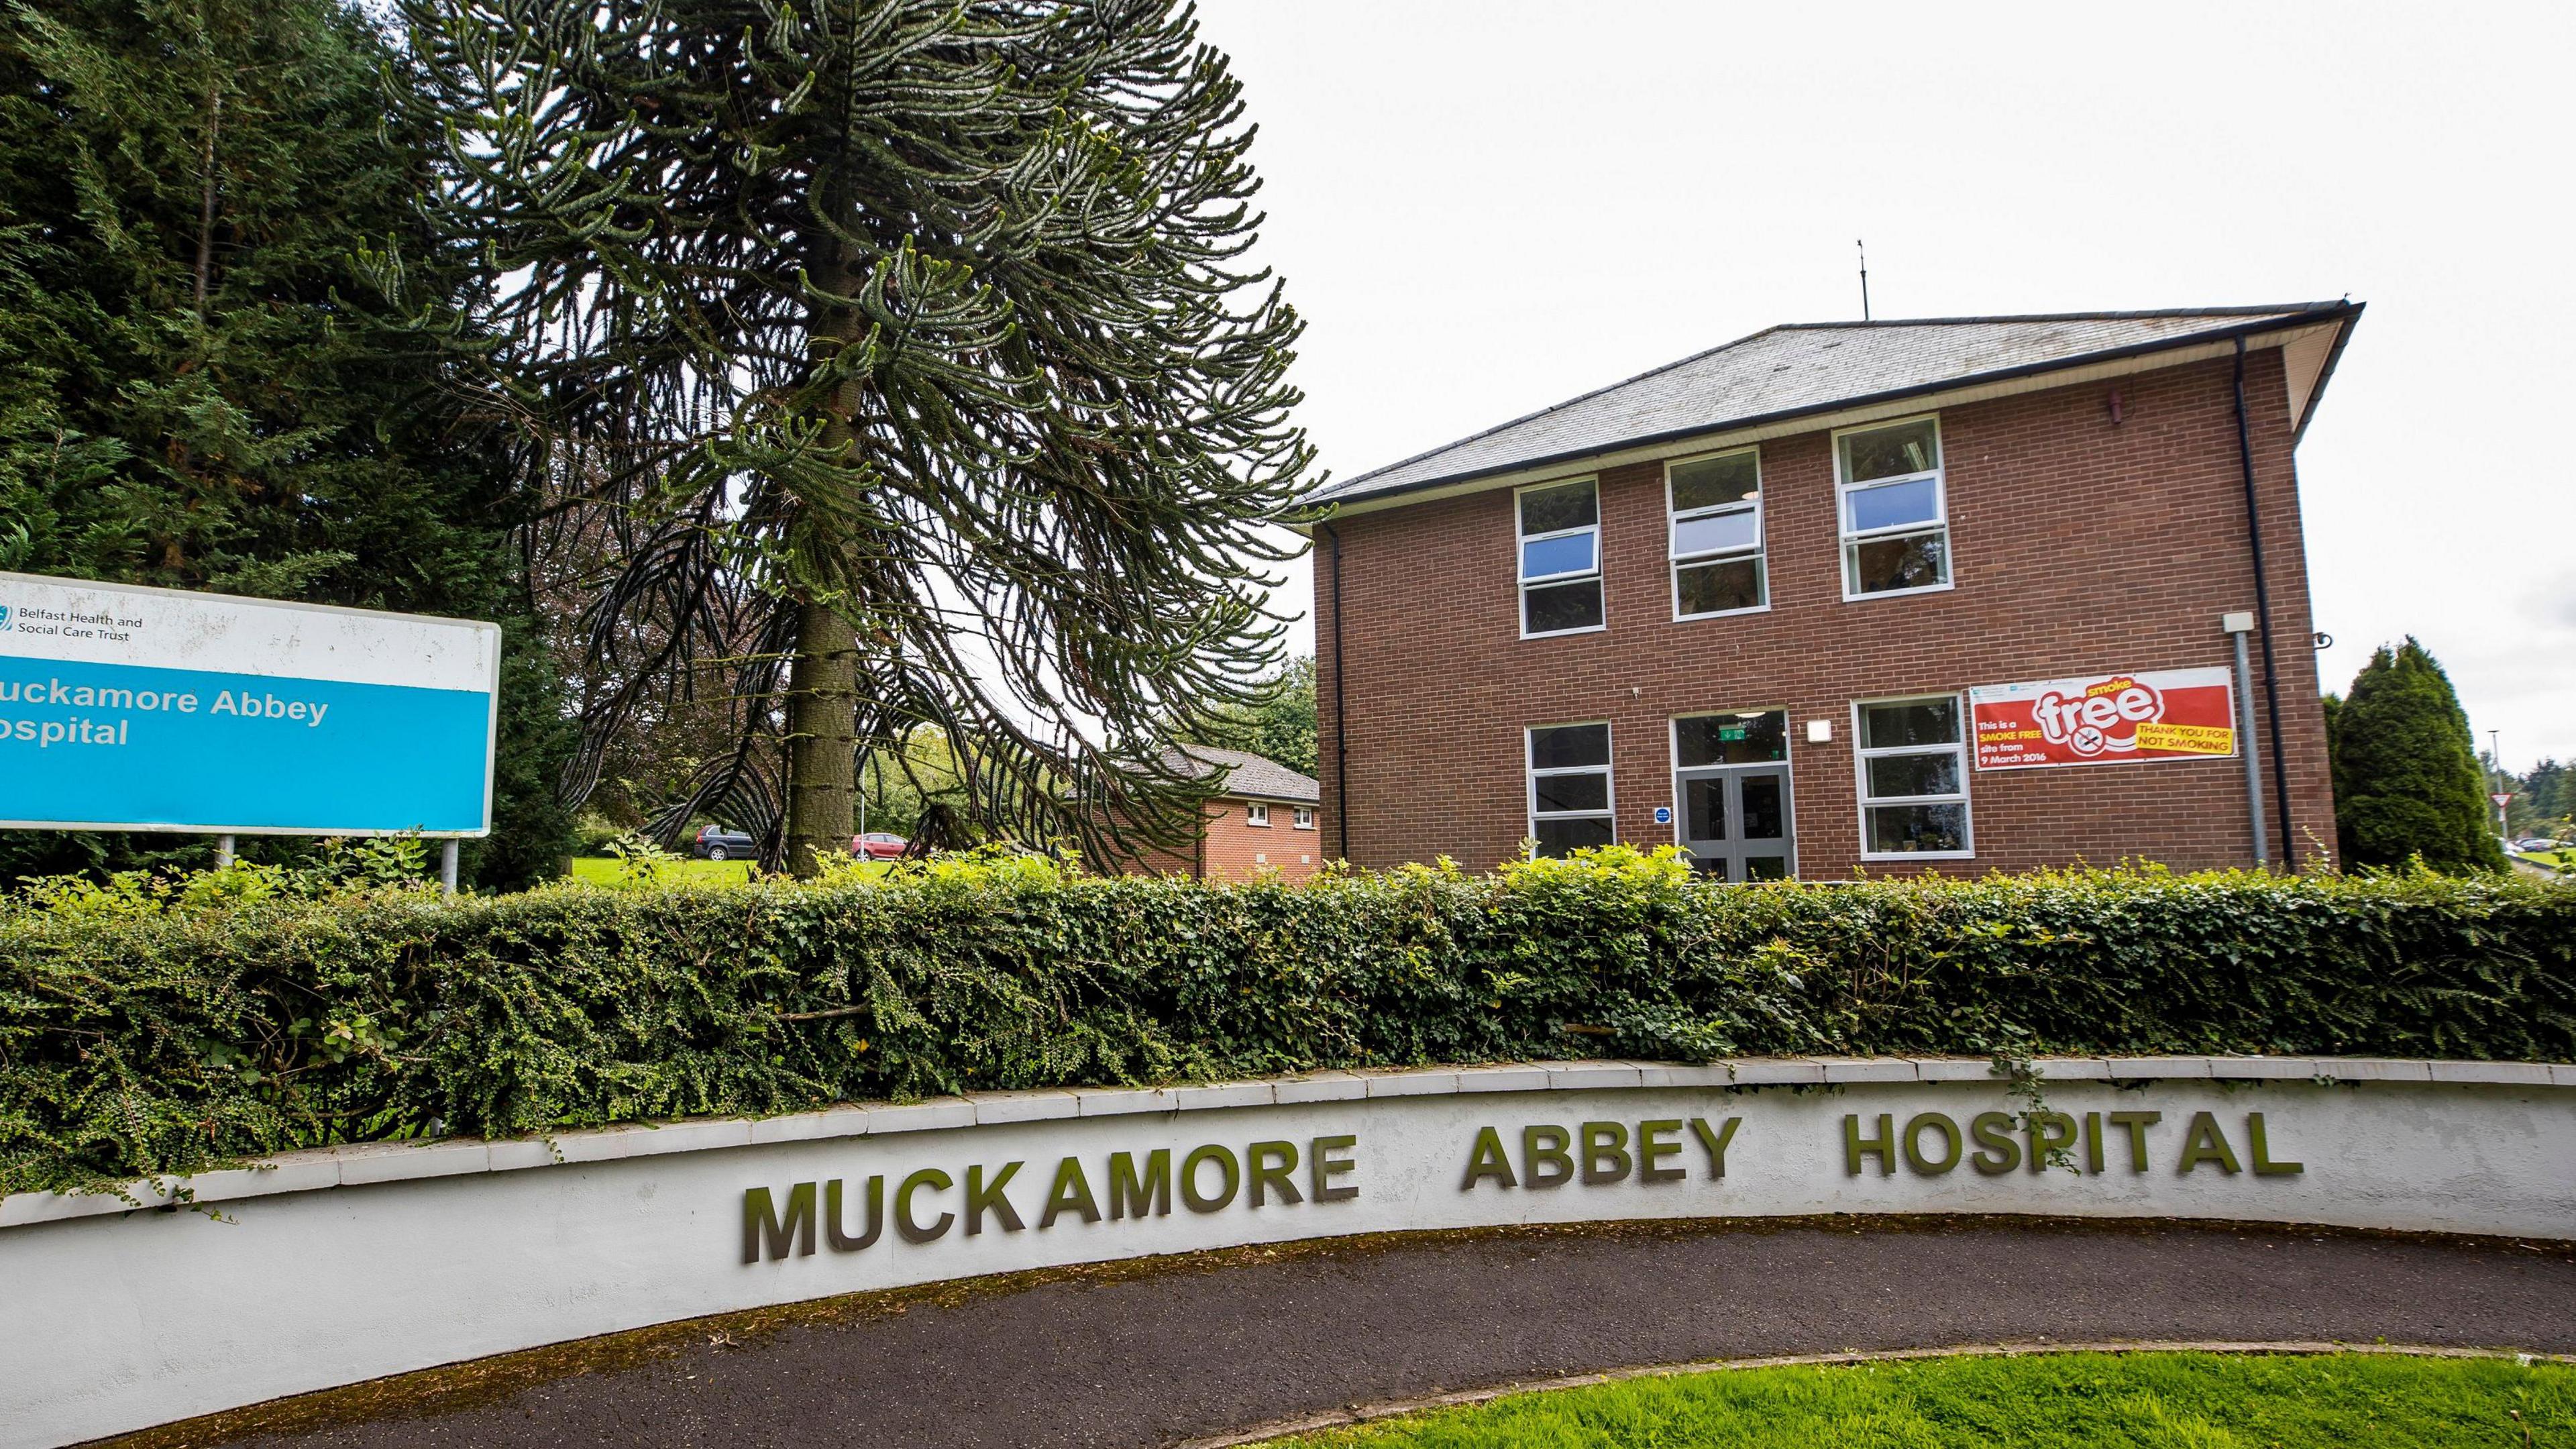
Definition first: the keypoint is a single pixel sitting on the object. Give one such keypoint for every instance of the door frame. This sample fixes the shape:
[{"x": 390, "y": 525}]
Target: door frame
[{"x": 1788, "y": 761}]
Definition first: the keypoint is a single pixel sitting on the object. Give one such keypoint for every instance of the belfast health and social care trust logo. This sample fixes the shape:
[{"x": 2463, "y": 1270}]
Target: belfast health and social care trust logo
[{"x": 4, "y": 616}]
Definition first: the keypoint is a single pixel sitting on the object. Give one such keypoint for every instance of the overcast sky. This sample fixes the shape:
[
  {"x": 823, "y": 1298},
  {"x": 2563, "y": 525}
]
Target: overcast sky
[{"x": 1484, "y": 208}]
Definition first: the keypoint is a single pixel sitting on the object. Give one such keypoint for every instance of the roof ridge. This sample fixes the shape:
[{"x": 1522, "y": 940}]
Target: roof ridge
[
  {"x": 1355, "y": 481},
  {"x": 2141, "y": 314},
  {"x": 1331, "y": 492}
]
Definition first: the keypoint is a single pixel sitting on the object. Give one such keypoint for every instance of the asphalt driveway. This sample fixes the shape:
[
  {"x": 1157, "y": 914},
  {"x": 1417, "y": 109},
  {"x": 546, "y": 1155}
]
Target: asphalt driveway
[{"x": 1130, "y": 1358}]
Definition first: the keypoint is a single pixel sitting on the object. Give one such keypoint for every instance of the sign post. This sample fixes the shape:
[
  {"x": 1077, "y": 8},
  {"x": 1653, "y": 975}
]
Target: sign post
[{"x": 125, "y": 708}]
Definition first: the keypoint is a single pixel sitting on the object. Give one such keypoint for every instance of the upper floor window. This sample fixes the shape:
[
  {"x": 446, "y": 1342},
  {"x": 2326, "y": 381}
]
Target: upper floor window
[
  {"x": 1895, "y": 512},
  {"x": 1716, "y": 516},
  {"x": 1303, "y": 818},
  {"x": 1256, "y": 813},
  {"x": 1560, "y": 558},
  {"x": 1569, "y": 787},
  {"x": 1913, "y": 778}
]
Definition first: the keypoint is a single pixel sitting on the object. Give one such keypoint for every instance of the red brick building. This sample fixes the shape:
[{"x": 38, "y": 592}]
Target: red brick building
[
  {"x": 1266, "y": 817},
  {"x": 1962, "y": 594}
]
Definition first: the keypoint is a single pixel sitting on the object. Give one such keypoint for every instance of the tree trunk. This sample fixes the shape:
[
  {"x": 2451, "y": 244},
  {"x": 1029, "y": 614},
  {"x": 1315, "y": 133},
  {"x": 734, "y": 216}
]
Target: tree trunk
[
  {"x": 822, "y": 747},
  {"x": 206, "y": 194},
  {"x": 822, "y": 681}
]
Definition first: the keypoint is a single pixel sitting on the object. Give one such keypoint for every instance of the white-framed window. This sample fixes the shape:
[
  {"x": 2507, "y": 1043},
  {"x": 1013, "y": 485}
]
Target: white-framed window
[
  {"x": 1256, "y": 813},
  {"x": 1569, "y": 787},
  {"x": 1913, "y": 760},
  {"x": 1894, "y": 507},
  {"x": 1714, "y": 510},
  {"x": 1560, "y": 557},
  {"x": 1303, "y": 818}
]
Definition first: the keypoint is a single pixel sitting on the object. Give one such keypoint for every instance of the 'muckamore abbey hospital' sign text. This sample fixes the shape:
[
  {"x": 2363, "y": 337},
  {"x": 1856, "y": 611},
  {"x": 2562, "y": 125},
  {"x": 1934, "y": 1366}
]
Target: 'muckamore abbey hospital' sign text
[
  {"x": 406, "y": 1256},
  {"x": 927, "y": 1203}
]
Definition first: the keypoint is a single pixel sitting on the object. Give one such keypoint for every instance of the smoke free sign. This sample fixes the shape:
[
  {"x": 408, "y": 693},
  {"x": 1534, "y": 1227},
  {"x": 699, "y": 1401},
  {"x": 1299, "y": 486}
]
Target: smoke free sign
[
  {"x": 152, "y": 709},
  {"x": 2103, "y": 719}
]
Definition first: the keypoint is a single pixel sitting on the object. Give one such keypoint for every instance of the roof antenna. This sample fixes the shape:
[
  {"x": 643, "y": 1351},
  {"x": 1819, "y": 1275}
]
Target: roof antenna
[{"x": 1864, "y": 279}]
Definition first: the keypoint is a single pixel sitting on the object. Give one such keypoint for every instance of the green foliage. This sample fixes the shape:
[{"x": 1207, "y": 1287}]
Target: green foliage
[
  {"x": 916, "y": 787},
  {"x": 2406, "y": 776},
  {"x": 641, "y": 861},
  {"x": 196, "y": 396},
  {"x": 1280, "y": 725},
  {"x": 2542, "y": 799},
  {"x": 173, "y": 1034},
  {"x": 912, "y": 347},
  {"x": 2053, "y": 1401}
]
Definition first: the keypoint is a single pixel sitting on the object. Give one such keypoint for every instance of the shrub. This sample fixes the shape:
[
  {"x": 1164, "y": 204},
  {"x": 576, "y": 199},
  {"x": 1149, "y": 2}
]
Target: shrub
[
  {"x": 593, "y": 834},
  {"x": 171, "y": 1032},
  {"x": 2407, "y": 781}
]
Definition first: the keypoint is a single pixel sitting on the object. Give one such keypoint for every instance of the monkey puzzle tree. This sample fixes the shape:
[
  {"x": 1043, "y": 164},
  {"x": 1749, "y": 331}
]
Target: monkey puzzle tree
[{"x": 910, "y": 342}]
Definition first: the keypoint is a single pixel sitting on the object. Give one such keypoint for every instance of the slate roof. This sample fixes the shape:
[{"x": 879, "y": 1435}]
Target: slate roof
[
  {"x": 1813, "y": 367},
  {"x": 1249, "y": 776}
]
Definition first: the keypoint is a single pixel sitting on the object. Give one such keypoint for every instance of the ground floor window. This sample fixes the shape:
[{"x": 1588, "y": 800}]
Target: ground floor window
[
  {"x": 1569, "y": 787},
  {"x": 1913, "y": 778}
]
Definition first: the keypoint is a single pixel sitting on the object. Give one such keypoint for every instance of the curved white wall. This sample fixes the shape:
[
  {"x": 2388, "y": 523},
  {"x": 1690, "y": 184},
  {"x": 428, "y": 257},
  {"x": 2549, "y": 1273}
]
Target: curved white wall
[{"x": 330, "y": 1268}]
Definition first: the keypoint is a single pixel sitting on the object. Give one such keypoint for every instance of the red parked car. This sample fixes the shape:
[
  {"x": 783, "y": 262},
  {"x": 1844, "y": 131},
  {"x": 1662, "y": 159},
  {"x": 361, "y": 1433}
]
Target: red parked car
[{"x": 878, "y": 845}]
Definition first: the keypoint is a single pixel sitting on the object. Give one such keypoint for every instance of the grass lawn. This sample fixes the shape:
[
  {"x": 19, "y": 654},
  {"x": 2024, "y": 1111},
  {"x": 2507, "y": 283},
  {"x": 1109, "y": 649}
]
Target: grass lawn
[
  {"x": 2097, "y": 1401},
  {"x": 603, "y": 870}
]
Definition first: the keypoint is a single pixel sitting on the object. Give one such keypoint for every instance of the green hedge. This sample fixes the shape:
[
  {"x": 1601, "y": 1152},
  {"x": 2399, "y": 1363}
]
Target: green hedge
[{"x": 169, "y": 1037}]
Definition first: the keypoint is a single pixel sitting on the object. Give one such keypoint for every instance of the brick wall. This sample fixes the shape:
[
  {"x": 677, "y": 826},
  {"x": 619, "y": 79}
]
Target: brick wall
[
  {"x": 2078, "y": 546},
  {"x": 1237, "y": 849}
]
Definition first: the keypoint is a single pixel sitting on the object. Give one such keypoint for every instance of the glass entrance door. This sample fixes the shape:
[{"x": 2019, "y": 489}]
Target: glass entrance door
[
  {"x": 1735, "y": 821},
  {"x": 1732, "y": 787}
]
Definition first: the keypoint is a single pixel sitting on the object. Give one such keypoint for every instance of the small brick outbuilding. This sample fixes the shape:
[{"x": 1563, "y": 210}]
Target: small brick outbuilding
[{"x": 1266, "y": 817}]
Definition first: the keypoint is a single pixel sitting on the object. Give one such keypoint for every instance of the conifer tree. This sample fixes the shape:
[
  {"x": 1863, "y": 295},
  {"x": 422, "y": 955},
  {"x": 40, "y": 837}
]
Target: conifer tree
[
  {"x": 913, "y": 343},
  {"x": 195, "y": 396},
  {"x": 2546, "y": 791},
  {"x": 2406, "y": 775}
]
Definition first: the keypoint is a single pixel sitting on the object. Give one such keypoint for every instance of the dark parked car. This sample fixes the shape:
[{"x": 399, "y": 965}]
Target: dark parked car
[
  {"x": 714, "y": 842},
  {"x": 878, "y": 845}
]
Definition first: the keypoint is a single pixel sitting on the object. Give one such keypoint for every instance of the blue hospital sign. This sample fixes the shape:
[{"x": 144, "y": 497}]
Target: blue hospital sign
[
  {"x": 1663, "y": 815},
  {"x": 154, "y": 709}
]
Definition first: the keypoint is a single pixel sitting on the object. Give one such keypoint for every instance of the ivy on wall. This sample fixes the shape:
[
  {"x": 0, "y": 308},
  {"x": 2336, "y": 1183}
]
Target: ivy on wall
[{"x": 150, "y": 1035}]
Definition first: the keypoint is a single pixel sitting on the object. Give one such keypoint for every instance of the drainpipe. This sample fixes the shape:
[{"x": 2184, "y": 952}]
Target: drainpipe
[
  {"x": 2262, "y": 600},
  {"x": 1341, "y": 718},
  {"x": 2237, "y": 627}
]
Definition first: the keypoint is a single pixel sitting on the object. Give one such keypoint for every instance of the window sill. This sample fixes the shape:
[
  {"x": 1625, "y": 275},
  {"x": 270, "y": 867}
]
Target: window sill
[
  {"x": 1722, "y": 614},
  {"x": 1569, "y": 633},
  {"x": 1941, "y": 588},
  {"x": 1903, "y": 856}
]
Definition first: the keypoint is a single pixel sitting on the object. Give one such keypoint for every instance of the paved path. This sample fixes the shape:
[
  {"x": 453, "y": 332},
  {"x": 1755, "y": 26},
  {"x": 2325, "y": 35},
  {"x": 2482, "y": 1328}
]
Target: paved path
[{"x": 1147, "y": 1360}]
